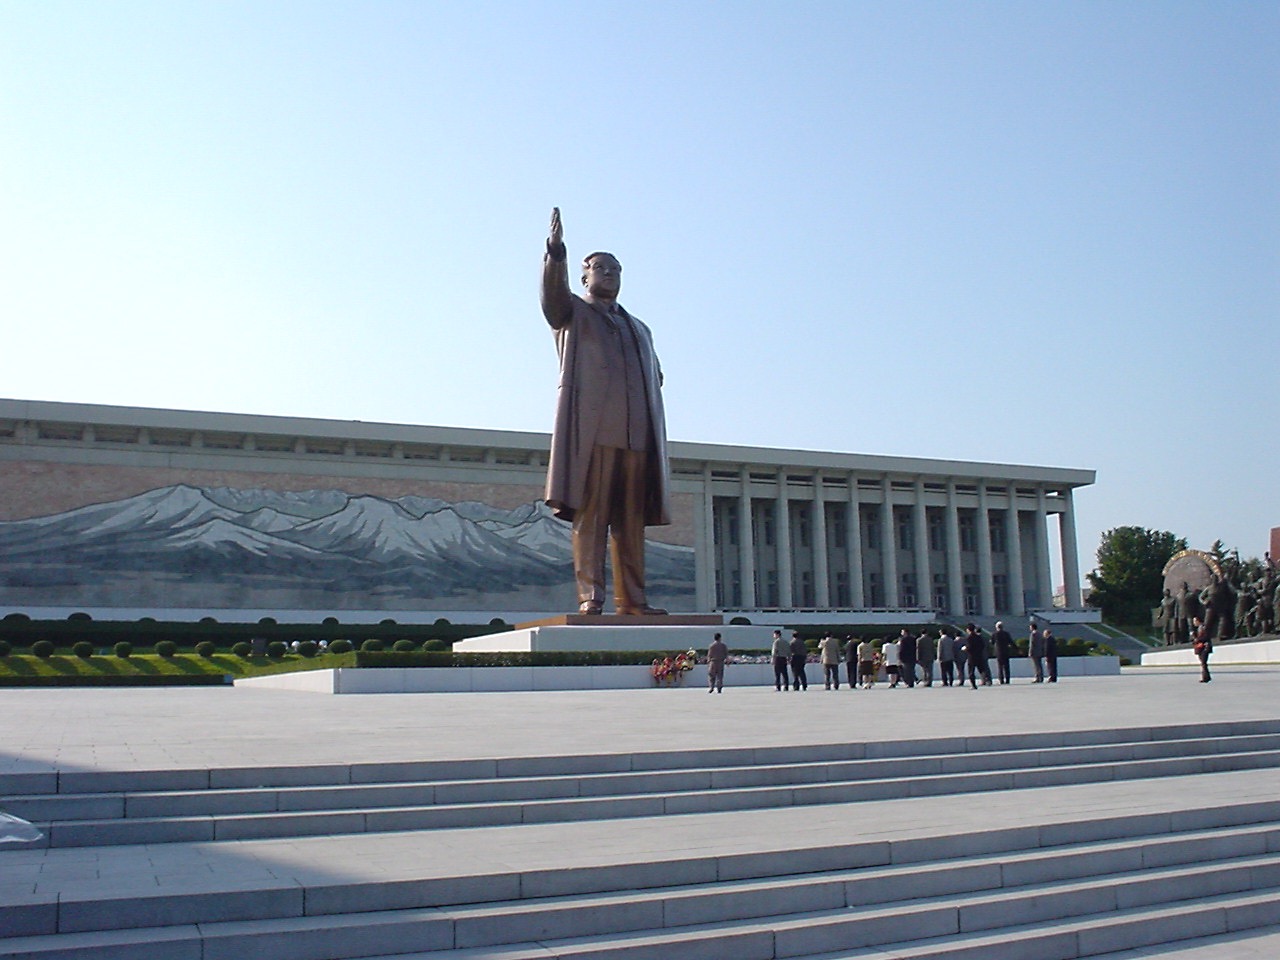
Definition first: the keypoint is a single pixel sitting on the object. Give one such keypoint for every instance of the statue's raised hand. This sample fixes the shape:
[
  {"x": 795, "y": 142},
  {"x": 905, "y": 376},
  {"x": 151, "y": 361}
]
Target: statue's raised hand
[{"x": 556, "y": 232}]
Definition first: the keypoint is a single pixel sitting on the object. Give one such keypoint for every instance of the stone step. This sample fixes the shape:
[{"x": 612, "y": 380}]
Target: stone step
[
  {"x": 796, "y": 916},
  {"x": 108, "y": 782},
  {"x": 209, "y": 814},
  {"x": 62, "y": 807},
  {"x": 143, "y": 830},
  {"x": 683, "y": 892}
]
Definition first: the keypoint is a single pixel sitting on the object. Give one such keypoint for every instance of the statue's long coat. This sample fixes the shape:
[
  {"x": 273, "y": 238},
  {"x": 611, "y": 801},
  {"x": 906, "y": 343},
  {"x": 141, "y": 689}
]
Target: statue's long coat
[{"x": 580, "y": 328}]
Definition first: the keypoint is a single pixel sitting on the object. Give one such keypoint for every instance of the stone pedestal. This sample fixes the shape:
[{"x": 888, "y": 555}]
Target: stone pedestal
[{"x": 668, "y": 634}]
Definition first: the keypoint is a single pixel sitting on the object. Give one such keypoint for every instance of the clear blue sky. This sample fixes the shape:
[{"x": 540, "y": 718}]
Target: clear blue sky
[{"x": 1043, "y": 233}]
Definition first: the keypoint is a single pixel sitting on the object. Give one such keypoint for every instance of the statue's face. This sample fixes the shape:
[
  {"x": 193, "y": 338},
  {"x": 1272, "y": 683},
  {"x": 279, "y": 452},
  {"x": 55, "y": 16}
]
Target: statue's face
[{"x": 603, "y": 277}]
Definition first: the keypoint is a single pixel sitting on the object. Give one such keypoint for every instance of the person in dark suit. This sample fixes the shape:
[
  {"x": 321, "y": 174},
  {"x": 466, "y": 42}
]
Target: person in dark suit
[
  {"x": 799, "y": 655},
  {"x": 907, "y": 656},
  {"x": 1002, "y": 639},
  {"x": 975, "y": 645},
  {"x": 608, "y": 473},
  {"x": 1051, "y": 654}
]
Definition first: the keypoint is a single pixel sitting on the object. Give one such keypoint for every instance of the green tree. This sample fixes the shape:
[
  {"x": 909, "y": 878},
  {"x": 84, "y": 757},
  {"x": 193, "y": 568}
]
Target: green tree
[{"x": 1128, "y": 581}]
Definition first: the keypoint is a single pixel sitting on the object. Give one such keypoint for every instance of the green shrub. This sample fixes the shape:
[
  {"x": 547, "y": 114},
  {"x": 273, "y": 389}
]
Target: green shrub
[
  {"x": 373, "y": 645},
  {"x": 308, "y": 648},
  {"x": 83, "y": 649},
  {"x": 276, "y": 649},
  {"x": 4, "y": 648},
  {"x": 123, "y": 649},
  {"x": 166, "y": 649},
  {"x": 206, "y": 649},
  {"x": 404, "y": 646},
  {"x": 42, "y": 649},
  {"x": 341, "y": 646},
  {"x": 243, "y": 649},
  {"x": 435, "y": 645}
]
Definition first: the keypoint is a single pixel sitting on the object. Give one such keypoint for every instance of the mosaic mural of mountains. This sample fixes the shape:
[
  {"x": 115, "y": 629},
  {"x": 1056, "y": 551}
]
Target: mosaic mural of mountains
[{"x": 192, "y": 546}]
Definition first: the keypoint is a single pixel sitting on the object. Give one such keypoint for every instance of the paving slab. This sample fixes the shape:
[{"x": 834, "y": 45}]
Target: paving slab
[
  {"x": 198, "y": 729},
  {"x": 68, "y": 733}
]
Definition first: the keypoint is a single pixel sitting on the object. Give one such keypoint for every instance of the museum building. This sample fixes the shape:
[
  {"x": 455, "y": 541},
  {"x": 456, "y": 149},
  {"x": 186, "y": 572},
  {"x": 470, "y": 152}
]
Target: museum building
[{"x": 106, "y": 507}]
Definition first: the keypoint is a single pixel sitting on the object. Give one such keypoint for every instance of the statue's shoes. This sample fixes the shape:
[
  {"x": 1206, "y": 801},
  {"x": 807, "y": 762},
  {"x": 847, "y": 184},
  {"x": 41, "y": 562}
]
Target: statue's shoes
[
  {"x": 645, "y": 611},
  {"x": 589, "y": 609}
]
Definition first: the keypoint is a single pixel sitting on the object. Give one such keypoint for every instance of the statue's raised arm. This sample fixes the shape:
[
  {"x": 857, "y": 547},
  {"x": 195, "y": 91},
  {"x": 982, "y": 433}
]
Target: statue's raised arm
[{"x": 557, "y": 301}]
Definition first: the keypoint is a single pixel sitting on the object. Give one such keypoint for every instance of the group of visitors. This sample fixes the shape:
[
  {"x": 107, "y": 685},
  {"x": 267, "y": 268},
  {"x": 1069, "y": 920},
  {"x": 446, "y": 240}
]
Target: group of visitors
[{"x": 906, "y": 659}]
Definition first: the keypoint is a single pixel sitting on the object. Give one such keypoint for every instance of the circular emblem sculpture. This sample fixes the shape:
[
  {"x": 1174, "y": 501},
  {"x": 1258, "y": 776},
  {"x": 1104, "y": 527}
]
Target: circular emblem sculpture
[{"x": 1195, "y": 568}]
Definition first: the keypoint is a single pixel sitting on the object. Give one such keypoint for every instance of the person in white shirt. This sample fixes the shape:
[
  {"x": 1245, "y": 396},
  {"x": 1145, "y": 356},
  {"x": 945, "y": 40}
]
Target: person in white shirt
[{"x": 891, "y": 662}]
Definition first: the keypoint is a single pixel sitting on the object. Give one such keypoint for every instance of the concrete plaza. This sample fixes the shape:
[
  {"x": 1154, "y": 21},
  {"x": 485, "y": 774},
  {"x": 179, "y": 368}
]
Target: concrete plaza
[{"x": 69, "y": 732}]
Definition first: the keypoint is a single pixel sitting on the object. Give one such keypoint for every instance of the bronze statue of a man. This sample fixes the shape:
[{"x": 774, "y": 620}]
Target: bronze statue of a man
[{"x": 608, "y": 471}]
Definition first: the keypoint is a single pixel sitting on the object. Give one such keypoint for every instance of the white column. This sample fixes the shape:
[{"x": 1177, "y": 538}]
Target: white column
[
  {"x": 986, "y": 585},
  {"x": 1070, "y": 556},
  {"x": 821, "y": 588},
  {"x": 888, "y": 546},
  {"x": 1044, "y": 579},
  {"x": 704, "y": 576},
  {"x": 924, "y": 578},
  {"x": 1013, "y": 543},
  {"x": 746, "y": 543},
  {"x": 785, "y": 596},
  {"x": 955, "y": 573},
  {"x": 853, "y": 521}
]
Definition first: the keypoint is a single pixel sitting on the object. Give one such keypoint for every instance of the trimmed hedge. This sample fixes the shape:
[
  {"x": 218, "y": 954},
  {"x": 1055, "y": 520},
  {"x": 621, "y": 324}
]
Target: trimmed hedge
[
  {"x": 42, "y": 649},
  {"x": 166, "y": 649},
  {"x": 20, "y": 630},
  {"x": 124, "y": 680},
  {"x": 536, "y": 658},
  {"x": 242, "y": 650},
  {"x": 123, "y": 649},
  {"x": 83, "y": 649},
  {"x": 206, "y": 649}
]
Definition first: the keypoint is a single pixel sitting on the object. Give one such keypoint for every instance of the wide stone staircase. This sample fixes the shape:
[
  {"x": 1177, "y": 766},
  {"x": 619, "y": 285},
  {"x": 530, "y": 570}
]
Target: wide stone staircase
[{"x": 1049, "y": 882}]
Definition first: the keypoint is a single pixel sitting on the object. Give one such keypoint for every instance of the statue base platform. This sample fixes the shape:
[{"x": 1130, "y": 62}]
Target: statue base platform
[
  {"x": 618, "y": 620},
  {"x": 669, "y": 634}
]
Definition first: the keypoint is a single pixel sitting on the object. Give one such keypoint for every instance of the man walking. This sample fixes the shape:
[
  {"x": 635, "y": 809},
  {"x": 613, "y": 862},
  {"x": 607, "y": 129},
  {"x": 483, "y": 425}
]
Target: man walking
[
  {"x": 1003, "y": 642},
  {"x": 907, "y": 656},
  {"x": 799, "y": 654},
  {"x": 947, "y": 657},
  {"x": 781, "y": 654},
  {"x": 717, "y": 653},
  {"x": 1035, "y": 650},
  {"x": 829, "y": 650},
  {"x": 976, "y": 649},
  {"x": 925, "y": 653}
]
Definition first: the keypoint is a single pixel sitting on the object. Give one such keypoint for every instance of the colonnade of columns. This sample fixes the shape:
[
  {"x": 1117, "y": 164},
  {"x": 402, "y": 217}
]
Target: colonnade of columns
[{"x": 1011, "y": 586}]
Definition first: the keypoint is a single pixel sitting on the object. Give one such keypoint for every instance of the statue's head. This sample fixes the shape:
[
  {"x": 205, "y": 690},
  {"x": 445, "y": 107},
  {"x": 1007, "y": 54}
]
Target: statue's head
[{"x": 602, "y": 275}]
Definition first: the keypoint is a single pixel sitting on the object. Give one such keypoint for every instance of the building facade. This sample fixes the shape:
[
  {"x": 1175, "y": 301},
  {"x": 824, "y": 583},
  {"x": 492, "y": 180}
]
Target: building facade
[{"x": 111, "y": 508}]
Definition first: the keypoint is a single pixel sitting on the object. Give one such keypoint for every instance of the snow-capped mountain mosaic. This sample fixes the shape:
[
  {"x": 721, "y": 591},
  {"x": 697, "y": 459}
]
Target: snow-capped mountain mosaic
[{"x": 225, "y": 547}]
